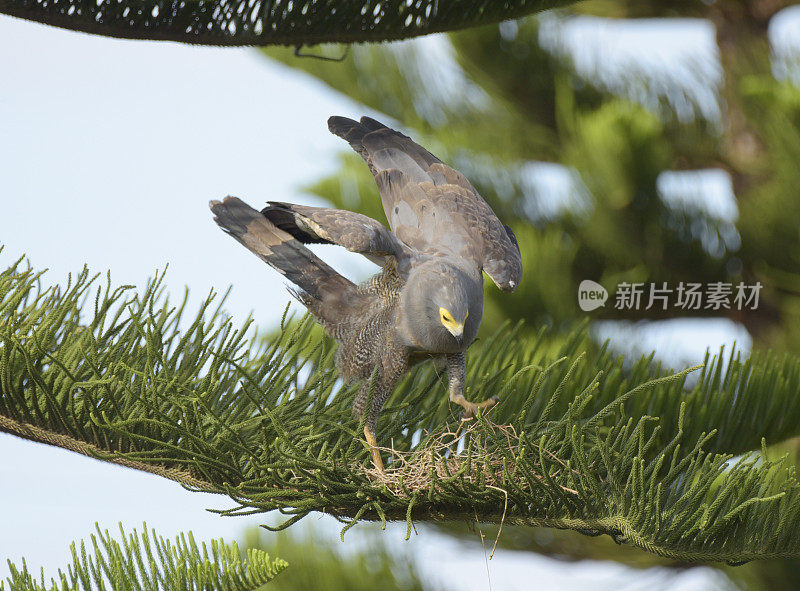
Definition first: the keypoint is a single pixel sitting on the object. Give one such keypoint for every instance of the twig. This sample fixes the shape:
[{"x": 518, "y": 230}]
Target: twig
[{"x": 502, "y": 520}]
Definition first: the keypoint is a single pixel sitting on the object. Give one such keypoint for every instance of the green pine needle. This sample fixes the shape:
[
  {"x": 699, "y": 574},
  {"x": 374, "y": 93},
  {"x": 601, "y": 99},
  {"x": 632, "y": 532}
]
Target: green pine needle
[
  {"x": 580, "y": 440},
  {"x": 147, "y": 562}
]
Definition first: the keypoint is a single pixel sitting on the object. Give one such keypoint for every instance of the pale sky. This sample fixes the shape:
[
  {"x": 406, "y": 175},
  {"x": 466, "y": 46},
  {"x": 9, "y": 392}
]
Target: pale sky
[{"x": 111, "y": 150}]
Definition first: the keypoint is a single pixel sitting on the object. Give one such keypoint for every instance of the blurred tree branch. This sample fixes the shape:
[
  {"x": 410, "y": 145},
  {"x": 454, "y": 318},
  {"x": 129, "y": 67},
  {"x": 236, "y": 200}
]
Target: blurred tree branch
[{"x": 269, "y": 22}]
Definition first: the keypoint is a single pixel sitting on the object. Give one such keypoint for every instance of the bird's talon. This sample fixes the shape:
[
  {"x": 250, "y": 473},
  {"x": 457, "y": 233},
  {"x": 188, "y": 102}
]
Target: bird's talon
[{"x": 472, "y": 408}]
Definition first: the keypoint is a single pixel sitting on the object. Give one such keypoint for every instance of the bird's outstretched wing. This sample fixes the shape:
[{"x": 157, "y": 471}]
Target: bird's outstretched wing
[
  {"x": 354, "y": 231},
  {"x": 281, "y": 251},
  {"x": 431, "y": 207}
]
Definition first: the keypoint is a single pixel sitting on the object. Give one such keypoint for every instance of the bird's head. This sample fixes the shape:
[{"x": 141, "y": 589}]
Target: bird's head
[
  {"x": 445, "y": 305},
  {"x": 454, "y": 321}
]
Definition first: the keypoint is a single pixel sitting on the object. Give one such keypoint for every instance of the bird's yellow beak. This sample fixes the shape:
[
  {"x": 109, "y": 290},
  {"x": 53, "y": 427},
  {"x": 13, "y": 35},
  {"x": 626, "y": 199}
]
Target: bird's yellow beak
[{"x": 455, "y": 328}]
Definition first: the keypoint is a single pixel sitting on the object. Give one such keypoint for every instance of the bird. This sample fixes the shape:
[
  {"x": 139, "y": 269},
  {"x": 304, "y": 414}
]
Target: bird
[{"x": 426, "y": 302}]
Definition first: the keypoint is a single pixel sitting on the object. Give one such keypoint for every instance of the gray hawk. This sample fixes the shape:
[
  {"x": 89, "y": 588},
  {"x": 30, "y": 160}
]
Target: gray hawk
[{"x": 427, "y": 301}]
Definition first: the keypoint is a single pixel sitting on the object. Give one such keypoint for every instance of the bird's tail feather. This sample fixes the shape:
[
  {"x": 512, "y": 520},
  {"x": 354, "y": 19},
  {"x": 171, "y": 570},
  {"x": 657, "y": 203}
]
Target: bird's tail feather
[{"x": 317, "y": 281}]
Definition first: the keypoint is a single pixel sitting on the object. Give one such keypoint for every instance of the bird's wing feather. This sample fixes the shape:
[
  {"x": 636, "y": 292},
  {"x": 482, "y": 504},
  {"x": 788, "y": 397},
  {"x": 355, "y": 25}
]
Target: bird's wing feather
[
  {"x": 430, "y": 206},
  {"x": 369, "y": 136},
  {"x": 354, "y": 231},
  {"x": 280, "y": 250}
]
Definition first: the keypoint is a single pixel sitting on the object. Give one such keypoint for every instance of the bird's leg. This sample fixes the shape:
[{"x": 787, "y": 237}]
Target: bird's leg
[
  {"x": 382, "y": 390},
  {"x": 456, "y": 376},
  {"x": 394, "y": 364},
  {"x": 369, "y": 434},
  {"x": 359, "y": 408}
]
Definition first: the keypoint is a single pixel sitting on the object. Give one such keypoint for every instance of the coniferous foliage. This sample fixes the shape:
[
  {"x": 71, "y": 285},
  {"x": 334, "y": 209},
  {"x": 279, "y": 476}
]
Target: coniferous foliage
[
  {"x": 507, "y": 104},
  {"x": 373, "y": 564},
  {"x": 500, "y": 101},
  {"x": 578, "y": 441},
  {"x": 147, "y": 562},
  {"x": 269, "y": 22},
  {"x": 675, "y": 464}
]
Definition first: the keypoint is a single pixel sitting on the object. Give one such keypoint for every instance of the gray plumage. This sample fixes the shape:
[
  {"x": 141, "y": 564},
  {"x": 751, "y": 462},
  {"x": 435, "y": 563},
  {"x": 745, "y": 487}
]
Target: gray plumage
[{"x": 428, "y": 299}]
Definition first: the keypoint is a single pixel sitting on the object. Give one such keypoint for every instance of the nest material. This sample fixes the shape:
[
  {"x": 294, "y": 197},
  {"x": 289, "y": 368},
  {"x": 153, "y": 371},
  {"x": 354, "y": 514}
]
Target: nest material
[{"x": 437, "y": 459}]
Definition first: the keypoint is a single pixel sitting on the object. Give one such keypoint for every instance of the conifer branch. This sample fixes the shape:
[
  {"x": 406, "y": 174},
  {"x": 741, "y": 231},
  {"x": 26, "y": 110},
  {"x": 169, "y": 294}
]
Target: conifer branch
[
  {"x": 579, "y": 440},
  {"x": 270, "y": 22},
  {"x": 147, "y": 562}
]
